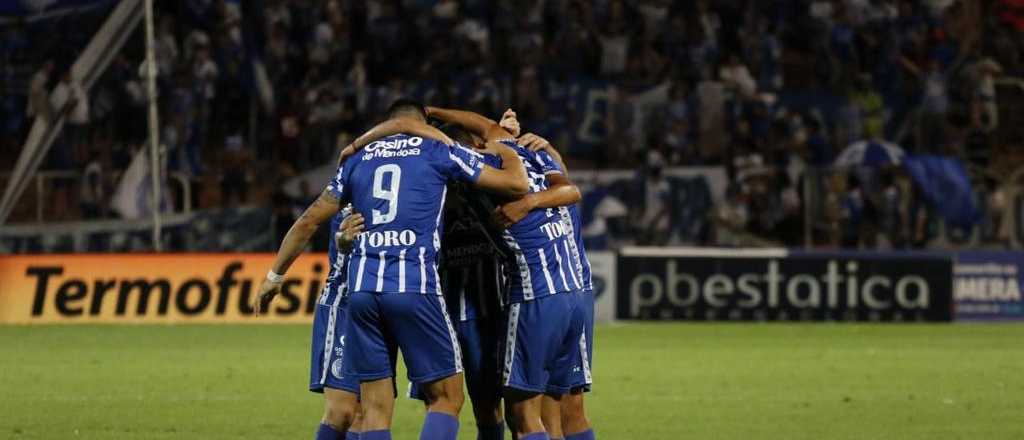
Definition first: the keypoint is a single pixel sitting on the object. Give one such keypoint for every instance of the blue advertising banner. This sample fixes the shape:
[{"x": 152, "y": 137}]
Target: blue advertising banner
[{"x": 987, "y": 284}]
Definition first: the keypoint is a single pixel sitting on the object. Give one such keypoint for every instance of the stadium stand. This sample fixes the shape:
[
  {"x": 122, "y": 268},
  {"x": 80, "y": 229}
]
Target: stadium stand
[{"x": 764, "y": 94}]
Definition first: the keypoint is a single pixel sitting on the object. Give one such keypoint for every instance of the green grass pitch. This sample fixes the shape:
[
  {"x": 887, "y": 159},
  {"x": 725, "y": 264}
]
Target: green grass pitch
[{"x": 653, "y": 381}]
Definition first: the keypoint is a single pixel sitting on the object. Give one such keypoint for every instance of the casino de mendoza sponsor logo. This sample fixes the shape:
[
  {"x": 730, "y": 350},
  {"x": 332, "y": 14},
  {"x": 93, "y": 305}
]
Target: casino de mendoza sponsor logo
[
  {"x": 219, "y": 289},
  {"x": 776, "y": 284}
]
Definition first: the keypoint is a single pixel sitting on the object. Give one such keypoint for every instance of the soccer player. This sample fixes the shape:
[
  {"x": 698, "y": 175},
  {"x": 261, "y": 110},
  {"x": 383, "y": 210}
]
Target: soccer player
[
  {"x": 544, "y": 320},
  {"x": 399, "y": 185},
  {"x": 329, "y": 324},
  {"x": 472, "y": 266},
  {"x": 566, "y": 412}
]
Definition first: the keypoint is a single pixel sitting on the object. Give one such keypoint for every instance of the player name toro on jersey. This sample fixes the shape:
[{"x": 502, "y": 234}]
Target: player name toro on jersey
[
  {"x": 553, "y": 230},
  {"x": 404, "y": 237},
  {"x": 393, "y": 148}
]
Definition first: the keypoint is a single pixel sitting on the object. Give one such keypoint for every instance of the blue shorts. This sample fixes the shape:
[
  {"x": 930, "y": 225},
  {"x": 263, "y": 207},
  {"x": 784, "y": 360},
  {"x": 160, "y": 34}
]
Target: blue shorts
[
  {"x": 328, "y": 350},
  {"x": 543, "y": 345},
  {"x": 480, "y": 342},
  {"x": 417, "y": 324}
]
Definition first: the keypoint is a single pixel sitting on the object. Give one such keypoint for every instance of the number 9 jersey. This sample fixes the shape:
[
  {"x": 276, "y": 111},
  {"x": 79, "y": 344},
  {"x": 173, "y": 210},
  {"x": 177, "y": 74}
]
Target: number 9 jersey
[{"x": 399, "y": 186}]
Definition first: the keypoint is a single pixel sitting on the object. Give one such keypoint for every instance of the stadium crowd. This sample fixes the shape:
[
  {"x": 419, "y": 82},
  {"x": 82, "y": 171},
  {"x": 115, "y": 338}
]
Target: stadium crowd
[{"x": 767, "y": 89}]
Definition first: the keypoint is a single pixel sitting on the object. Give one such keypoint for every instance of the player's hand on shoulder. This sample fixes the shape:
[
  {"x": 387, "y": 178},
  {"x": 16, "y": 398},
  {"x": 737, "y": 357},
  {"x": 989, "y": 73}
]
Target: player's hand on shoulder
[
  {"x": 350, "y": 228},
  {"x": 534, "y": 142},
  {"x": 346, "y": 152},
  {"x": 268, "y": 290}
]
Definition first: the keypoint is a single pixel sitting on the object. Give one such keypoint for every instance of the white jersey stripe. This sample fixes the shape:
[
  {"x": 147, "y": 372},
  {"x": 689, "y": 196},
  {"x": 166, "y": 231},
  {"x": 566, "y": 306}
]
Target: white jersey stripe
[
  {"x": 575, "y": 272},
  {"x": 586, "y": 361},
  {"x": 362, "y": 263},
  {"x": 561, "y": 271},
  {"x": 572, "y": 247},
  {"x": 510, "y": 342},
  {"x": 524, "y": 268},
  {"x": 462, "y": 293},
  {"x": 547, "y": 274},
  {"x": 437, "y": 280},
  {"x": 458, "y": 160},
  {"x": 332, "y": 321},
  {"x": 451, "y": 334},
  {"x": 401, "y": 271},
  {"x": 437, "y": 238},
  {"x": 423, "y": 271},
  {"x": 380, "y": 271}
]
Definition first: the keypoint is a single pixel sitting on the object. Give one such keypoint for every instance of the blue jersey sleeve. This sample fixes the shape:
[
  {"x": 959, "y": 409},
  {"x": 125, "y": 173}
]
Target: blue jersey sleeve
[
  {"x": 462, "y": 164},
  {"x": 548, "y": 165},
  {"x": 338, "y": 187}
]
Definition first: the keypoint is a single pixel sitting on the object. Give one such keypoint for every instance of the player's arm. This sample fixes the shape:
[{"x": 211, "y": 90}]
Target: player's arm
[
  {"x": 560, "y": 192},
  {"x": 510, "y": 179},
  {"x": 475, "y": 123},
  {"x": 295, "y": 241},
  {"x": 392, "y": 127},
  {"x": 536, "y": 143}
]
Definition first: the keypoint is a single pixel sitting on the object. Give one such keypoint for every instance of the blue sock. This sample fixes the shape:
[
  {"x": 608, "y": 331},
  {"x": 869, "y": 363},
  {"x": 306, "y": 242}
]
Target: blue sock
[
  {"x": 326, "y": 432},
  {"x": 537, "y": 436},
  {"x": 352, "y": 436},
  {"x": 490, "y": 432},
  {"x": 585, "y": 435},
  {"x": 439, "y": 426},
  {"x": 383, "y": 434}
]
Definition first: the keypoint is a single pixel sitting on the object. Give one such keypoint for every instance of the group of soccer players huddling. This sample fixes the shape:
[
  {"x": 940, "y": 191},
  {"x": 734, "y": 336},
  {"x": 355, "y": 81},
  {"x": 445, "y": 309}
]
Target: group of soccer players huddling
[{"x": 460, "y": 247}]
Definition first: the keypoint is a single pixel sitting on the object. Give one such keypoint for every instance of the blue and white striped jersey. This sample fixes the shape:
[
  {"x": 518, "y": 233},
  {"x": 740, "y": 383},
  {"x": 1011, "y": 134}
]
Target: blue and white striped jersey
[
  {"x": 399, "y": 184},
  {"x": 334, "y": 289},
  {"x": 540, "y": 243},
  {"x": 574, "y": 221}
]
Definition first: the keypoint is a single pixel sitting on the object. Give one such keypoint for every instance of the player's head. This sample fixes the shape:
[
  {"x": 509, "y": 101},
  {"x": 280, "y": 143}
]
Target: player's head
[
  {"x": 406, "y": 108},
  {"x": 462, "y": 136}
]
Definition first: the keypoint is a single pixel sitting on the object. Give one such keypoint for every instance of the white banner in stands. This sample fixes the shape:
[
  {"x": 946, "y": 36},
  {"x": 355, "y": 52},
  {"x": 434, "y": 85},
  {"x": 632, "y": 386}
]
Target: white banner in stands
[{"x": 603, "y": 267}]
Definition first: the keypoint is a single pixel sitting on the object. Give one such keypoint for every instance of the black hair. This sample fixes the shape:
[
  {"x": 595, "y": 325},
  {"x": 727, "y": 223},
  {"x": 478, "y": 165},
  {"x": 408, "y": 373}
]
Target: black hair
[
  {"x": 406, "y": 106},
  {"x": 458, "y": 134}
]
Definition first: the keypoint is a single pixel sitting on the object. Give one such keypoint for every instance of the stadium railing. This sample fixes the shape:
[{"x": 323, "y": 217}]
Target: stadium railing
[{"x": 46, "y": 179}]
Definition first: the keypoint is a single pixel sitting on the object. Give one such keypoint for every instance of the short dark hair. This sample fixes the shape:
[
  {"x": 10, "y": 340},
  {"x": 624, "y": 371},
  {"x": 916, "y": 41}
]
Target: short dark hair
[
  {"x": 406, "y": 106},
  {"x": 458, "y": 134}
]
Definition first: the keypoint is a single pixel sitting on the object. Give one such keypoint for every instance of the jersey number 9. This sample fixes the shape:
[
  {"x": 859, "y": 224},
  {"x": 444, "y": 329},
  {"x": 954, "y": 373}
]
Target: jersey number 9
[{"x": 393, "y": 173}]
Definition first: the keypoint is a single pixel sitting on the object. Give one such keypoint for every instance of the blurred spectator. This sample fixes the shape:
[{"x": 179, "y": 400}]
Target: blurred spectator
[
  {"x": 985, "y": 111},
  {"x": 737, "y": 78},
  {"x": 852, "y": 214},
  {"x": 38, "y": 95},
  {"x": 653, "y": 223},
  {"x": 934, "y": 106},
  {"x": 70, "y": 99},
  {"x": 819, "y": 149},
  {"x": 235, "y": 178},
  {"x": 892, "y": 216},
  {"x": 92, "y": 200},
  {"x": 614, "y": 40}
]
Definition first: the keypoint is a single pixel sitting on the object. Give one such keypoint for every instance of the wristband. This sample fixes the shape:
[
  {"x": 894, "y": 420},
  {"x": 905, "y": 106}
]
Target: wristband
[{"x": 273, "y": 277}]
